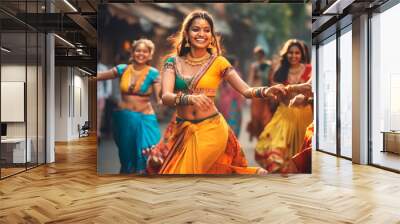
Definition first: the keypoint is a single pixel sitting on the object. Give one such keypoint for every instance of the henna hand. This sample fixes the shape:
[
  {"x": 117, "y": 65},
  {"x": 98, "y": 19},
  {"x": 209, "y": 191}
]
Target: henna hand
[
  {"x": 201, "y": 101},
  {"x": 297, "y": 100},
  {"x": 275, "y": 91}
]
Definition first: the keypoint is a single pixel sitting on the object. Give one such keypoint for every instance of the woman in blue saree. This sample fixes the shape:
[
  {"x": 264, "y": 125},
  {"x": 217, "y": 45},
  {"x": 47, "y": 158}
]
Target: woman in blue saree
[{"x": 135, "y": 126}]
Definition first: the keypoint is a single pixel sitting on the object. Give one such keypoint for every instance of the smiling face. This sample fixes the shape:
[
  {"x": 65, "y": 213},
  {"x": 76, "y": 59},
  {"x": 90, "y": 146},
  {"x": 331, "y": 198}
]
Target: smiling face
[
  {"x": 199, "y": 34},
  {"x": 141, "y": 54},
  {"x": 294, "y": 55}
]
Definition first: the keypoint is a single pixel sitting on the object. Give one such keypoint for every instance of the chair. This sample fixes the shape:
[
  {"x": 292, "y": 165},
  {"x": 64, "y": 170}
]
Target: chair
[{"x": 84, "y": 130}]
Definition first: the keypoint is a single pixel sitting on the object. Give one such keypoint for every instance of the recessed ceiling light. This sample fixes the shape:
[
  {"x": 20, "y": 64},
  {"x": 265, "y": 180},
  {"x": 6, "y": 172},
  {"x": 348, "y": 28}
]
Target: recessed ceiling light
[
  {"x": 5, "y": 50},
  {"x": 65, "y": 41},
  {"x": 84, "y": 71},
  {"x": 337, "y": 7},
  {"x": 70, "y": 5}
]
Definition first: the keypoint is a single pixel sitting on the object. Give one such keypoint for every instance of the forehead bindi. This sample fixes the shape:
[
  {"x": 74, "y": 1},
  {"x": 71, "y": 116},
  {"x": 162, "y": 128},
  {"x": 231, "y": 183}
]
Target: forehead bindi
[{"x": 200, "y": 23}]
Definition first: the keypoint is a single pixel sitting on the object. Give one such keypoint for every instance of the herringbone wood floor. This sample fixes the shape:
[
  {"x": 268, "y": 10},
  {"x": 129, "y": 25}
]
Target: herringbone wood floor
[{"x": 70, "y": 191}]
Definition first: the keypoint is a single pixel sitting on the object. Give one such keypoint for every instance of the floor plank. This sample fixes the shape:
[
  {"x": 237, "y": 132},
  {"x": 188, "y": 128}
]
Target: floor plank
[{"x": 70, "y": 191}]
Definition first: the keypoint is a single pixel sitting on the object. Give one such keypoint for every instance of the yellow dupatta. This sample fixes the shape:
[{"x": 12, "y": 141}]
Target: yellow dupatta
[{"x": 126, "y": 84}]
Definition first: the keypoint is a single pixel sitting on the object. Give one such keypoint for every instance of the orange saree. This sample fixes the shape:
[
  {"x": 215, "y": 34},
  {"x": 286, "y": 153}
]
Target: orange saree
[{"x": 206, "y": 146}]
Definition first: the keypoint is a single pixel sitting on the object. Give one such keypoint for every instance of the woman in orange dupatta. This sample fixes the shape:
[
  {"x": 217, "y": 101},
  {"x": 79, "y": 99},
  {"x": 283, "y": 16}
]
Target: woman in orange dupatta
[{"x": 202, "y": 142}]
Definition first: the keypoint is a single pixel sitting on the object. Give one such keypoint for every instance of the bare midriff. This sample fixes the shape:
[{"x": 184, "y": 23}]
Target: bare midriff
[
  {"x": 190, "y": 112},
  {"x": 136, "y": 103}
]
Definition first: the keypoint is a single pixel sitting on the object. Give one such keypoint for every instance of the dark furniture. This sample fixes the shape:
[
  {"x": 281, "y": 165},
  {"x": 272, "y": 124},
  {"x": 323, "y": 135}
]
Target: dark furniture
[
  {"x": 84, "y": 129},
  {"x": 391, "y": 141}
]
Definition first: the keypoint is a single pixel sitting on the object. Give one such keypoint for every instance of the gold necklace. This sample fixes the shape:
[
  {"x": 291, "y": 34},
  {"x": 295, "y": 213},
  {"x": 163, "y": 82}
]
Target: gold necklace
[
  {"x": 138, "y": 70},
  {"x": 296, "y": 70},
  {"x": 196, "y": 61},
  {"x": 135, "y": 74}
]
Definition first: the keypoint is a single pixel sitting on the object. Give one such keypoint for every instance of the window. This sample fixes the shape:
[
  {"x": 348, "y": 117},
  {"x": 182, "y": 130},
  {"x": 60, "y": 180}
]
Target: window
[
  {"x": 22, "y": 75},
  {"x": 346, "y": 93},
  {"x": 385, "y": 89},
  {"x": 326, "y": 96}
]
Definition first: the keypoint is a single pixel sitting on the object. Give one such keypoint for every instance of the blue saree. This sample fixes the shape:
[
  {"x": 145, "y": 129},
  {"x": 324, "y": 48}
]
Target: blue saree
[{"x": 134, "y": 131}]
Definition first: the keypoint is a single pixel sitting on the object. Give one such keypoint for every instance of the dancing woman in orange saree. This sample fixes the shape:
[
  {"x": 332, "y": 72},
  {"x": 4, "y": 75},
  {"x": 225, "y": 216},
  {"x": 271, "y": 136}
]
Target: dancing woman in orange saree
[{"x": 202, "y": 142}]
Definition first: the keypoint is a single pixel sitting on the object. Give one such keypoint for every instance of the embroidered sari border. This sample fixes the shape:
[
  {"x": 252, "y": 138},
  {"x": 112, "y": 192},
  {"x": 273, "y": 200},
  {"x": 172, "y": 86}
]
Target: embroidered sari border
[{"x": 201, "y": 72}]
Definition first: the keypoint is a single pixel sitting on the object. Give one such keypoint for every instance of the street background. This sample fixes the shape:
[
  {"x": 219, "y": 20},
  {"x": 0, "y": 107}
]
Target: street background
[{"x": 241, "y": 25}]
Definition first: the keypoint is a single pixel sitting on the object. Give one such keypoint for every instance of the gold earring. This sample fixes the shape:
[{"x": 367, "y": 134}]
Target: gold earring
[
  {"x": 210, "y": 46},
  {"x": 187, "y": 44}
]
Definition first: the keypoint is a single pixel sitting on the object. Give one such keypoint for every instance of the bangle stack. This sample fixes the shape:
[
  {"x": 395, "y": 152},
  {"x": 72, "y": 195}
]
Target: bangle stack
[
  {"x": 168, "y": 65},
  {"x": 257, "y": 92},
  {"x": 182, "y": 99},
  {"x": 290, "y": 88},
  {"x": 178, "y": 98}
]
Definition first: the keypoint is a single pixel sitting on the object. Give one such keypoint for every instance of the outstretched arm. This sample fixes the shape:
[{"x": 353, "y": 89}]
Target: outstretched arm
[
  {"x": 110, "y": 74},
  {"x": 239, "y": 85}
]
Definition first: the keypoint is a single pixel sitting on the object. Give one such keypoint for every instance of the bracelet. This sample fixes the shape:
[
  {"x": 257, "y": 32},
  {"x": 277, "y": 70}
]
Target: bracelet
[
  {"x": 186, "y": 99},
  {"x": 178, "y": 98},
  {"x": 252, "y": 93},
  {"x": 262, "y": 92},
  {"x": 168, "y": 65},
  {"x": 257, "y": 92},
  {"x": 182, "y": 99},
  {"x": 289, "y": 88}
]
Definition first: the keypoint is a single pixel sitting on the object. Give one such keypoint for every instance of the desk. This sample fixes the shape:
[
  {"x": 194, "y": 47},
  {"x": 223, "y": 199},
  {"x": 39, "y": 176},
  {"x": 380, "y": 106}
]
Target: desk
[
  {"x": 391, "y": 141},
  {"x": 15, "y": 148}
]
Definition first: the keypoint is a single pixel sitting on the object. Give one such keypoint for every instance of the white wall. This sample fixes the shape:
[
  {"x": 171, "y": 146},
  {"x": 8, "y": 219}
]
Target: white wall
[
  {"x": 71, "y": 94},
  {"x": 34, "y": 124},
  {"x": 13, "y": 73},
  {"x": 61, "y": 103}
]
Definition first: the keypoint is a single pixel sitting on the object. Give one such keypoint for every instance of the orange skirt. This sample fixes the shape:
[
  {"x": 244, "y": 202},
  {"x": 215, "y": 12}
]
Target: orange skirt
[{"x": 205, "y": 147}]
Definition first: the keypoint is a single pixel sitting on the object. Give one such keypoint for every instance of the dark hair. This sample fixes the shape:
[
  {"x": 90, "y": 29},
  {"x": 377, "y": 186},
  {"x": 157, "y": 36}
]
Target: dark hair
[
  {"x": 179, "y": 41},
  {"x": 307, "y": 56},
  {"x": 282, "y": 73},
  {"x": 259, "y": 50}
]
